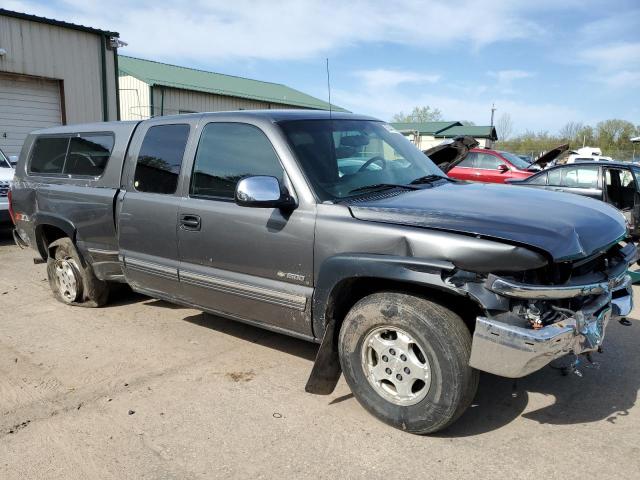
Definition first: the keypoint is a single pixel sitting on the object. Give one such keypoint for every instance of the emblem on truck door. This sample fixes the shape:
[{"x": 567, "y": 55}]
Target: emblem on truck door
[{"x": 291, "y": 276}]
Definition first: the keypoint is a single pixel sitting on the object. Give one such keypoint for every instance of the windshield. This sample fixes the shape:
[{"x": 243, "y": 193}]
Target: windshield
[
  {"x": 515, "y": 160},
  {"x": 4, "y": 161},
  {"x": 341, "y": 158}
]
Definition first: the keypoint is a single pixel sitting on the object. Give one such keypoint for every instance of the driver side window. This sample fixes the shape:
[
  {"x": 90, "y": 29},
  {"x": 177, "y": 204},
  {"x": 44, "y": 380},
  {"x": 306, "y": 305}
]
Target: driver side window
[
  {"x": 488, "y": 162},
  {"x": 470, "y": 161}
]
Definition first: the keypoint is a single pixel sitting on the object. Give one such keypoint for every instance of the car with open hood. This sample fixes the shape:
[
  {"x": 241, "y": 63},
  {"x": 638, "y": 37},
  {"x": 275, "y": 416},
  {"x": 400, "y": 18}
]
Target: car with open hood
[
  {"x": 615, "y": 183},
  {"x": 459, "y": 158},
  {"x": 333, "y": 228}
]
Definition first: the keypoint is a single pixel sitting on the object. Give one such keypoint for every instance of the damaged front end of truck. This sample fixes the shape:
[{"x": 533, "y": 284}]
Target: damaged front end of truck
[{"x": 541, "y": 315}]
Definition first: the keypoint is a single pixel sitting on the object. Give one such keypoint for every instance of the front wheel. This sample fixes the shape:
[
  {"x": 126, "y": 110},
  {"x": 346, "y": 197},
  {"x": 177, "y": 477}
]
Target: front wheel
[{"x": 406, "y": 359}]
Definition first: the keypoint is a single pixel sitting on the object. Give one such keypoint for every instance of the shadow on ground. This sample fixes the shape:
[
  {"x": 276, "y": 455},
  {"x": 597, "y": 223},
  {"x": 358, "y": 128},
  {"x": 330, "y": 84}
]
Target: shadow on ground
[
  {"x": 606, "y": 391},
  {"x": 6, "y": 237},
  {"x": 249, "y": 333}
]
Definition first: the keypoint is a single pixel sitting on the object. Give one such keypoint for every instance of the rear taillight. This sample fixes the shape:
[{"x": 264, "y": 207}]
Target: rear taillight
[{"x": 11, "y": 212}]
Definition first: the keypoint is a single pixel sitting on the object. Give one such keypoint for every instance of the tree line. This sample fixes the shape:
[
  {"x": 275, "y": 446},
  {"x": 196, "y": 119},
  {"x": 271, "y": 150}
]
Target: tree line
[{"x": 612, "y": 136}]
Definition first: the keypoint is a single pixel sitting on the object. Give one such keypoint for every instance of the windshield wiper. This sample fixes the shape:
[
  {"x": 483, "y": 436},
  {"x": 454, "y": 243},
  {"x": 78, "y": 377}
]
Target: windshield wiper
[
  {"x": 382, "y": 186},
  {"x": 428, "y": 179}
]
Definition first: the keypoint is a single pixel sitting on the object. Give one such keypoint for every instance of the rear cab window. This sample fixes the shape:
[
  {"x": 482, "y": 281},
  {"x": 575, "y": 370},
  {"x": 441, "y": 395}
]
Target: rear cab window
[
  {"x": 160, "y": 158},
  {"x": 48, "y": 155},
  {"x": 88, "y": 154},
  {"x": 80, "y": 154}
]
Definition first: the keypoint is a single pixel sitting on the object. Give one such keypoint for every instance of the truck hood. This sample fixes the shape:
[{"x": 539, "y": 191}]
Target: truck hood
[{"x": 565, "y": 226}]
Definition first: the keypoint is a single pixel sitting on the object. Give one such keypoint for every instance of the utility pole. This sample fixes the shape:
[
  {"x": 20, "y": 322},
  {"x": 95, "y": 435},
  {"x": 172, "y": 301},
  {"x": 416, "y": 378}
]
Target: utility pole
[{"x": 493, "y": 110}]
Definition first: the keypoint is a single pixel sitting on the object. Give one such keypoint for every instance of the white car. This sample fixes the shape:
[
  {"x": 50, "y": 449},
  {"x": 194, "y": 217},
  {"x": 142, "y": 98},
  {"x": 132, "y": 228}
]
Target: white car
[{"x": 6, "y": 175}]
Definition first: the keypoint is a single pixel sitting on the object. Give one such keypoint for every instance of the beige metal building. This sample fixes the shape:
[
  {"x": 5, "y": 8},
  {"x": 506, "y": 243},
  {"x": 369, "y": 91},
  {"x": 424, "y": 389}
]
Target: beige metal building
[
  {"x": 149, "y": 89},
  {"x": 53, "y": 73}
]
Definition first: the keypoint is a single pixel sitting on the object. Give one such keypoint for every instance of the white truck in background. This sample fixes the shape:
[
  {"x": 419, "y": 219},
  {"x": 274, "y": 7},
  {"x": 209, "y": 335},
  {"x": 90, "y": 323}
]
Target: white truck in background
[
  {"x": 6, "y": 175},
  {"x": 587, "y": 154}
]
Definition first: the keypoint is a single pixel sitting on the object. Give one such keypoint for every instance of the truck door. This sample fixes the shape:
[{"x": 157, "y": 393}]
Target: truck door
[
  {"x": 253, "y": 264},
  {"x": 148, "y": 207}
]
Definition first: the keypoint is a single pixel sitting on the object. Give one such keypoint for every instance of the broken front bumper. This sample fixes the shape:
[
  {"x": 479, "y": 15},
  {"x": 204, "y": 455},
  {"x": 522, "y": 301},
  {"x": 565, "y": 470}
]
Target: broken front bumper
[{"x": 512, "y": 351}]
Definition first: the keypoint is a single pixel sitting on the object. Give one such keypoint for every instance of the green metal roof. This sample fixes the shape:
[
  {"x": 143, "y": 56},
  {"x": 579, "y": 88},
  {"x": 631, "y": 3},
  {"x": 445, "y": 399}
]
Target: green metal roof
[
  {"x": 475, "y": 131},
  {"x": 447, "y": 129},
  {"x": 162, "y": 74},
  {"x": 424, "y": 128}
]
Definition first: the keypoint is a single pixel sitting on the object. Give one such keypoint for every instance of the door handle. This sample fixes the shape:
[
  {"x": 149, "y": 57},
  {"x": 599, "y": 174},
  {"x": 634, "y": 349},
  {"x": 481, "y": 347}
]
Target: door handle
[{"x": 190, "y": 222}]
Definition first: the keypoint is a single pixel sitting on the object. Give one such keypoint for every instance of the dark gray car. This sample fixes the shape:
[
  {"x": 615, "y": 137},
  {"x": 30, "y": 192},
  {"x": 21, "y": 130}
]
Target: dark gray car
[
  {"x": 615, "y": 183},
  {"x": 333, "y": 228}
]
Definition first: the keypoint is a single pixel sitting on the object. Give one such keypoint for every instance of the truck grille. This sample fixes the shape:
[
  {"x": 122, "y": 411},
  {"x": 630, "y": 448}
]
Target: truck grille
[{"x": 4, "y": 188}]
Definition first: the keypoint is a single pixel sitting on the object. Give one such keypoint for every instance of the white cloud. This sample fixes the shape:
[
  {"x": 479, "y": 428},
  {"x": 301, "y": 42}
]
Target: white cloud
[
  {"x": 505, "y": 79},
  {"x": 385, "y": 78},
  {"x": 615, "y": 64},
  {"x": 621, "y": 79},
  {"x": 508, "y": 76},
  {"x": 290, "y": 29},
  {"x": 613, "y": 55}
]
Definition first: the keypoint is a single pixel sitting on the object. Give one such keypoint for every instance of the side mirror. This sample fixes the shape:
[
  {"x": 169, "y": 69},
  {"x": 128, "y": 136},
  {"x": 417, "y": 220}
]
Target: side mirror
[
  {"x": 502, "y": 168},
  {"x": 262, "y": 192}
]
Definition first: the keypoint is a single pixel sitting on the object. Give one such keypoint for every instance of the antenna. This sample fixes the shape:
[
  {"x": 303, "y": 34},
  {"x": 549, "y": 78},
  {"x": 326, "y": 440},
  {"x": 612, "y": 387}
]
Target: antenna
[{"x": 329, "y": 88}]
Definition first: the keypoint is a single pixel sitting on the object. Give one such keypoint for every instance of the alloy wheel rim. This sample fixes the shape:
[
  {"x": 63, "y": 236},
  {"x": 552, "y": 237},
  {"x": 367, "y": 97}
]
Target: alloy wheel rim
[
  {"x": 67, "y": 278},
  {"x": 396, "y": 365}
]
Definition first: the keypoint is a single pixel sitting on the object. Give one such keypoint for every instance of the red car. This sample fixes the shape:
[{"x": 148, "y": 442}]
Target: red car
[
  {"x": 491, "y": 166},
  {"x": 459, "y": 158}
]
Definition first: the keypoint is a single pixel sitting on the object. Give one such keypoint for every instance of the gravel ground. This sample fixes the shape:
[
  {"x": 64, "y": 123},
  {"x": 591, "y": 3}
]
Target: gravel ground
[{"x": 146, "y": 389}]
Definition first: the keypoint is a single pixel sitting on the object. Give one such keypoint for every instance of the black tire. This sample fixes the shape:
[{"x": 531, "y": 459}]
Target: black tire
[
  {"x": 90, "y": 291},
  {"x": 446, "y": 342}
]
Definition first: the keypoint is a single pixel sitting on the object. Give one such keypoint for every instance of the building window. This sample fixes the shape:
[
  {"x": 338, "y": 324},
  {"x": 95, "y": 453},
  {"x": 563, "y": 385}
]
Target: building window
[{"x": 160, "y": 159}]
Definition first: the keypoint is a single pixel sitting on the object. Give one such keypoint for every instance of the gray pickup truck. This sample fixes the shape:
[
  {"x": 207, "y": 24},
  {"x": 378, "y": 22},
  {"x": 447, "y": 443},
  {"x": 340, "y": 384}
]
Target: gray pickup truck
[{"x": 333, "y": 228}]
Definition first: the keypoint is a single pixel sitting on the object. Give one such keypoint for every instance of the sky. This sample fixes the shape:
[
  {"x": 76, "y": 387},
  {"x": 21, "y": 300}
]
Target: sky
[{"x": 543, "y": 62}]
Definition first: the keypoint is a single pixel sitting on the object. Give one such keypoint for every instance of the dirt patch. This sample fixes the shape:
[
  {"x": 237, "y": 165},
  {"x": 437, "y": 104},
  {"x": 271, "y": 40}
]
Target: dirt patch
[
  {"x": 19, "y": 426},
  {"x": 241, "y": 376}
]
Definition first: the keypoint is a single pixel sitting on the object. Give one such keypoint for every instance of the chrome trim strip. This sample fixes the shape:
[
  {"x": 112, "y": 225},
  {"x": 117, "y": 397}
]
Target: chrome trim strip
[
  {"x": 99, "y": 251},
  {"x": 509, "y": 288},
  {"x": 151, "y": 268},
  {"x": 276, "y": 297}
]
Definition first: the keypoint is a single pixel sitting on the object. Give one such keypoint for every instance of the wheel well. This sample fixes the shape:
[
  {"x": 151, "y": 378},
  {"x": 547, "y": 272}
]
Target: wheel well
[
  {"x": 348, "y": 292},
  {"x": 46, "y": 234}
]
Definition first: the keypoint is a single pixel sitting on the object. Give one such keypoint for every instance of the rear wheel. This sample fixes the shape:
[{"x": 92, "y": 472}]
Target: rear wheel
[
  {"x": 71, "y": 280},
  {"x": 406, "y": 360}
]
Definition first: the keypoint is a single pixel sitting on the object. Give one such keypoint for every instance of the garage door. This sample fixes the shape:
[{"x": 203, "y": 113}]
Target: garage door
[{"x": 26, "y": 104}]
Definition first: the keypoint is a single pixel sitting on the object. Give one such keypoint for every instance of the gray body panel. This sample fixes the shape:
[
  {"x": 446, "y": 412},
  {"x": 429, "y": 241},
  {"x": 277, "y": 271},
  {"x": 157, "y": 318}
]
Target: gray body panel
[
  {"x": 279, "y": 268},
  {"x": 81, "y": 206},
  {"x": 256, "y": 263}
]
